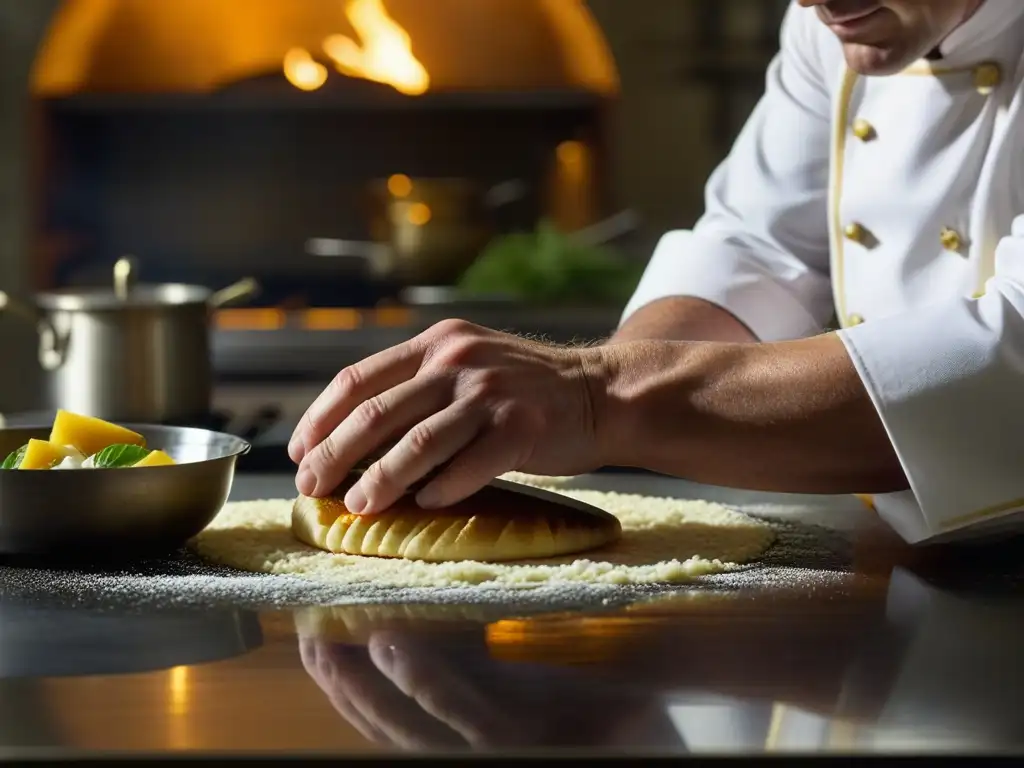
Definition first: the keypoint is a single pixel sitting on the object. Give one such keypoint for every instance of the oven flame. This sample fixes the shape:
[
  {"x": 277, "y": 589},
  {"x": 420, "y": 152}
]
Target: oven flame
[
  {"x": 386, "y": 53},
  {"x": 302, "y": 71}
]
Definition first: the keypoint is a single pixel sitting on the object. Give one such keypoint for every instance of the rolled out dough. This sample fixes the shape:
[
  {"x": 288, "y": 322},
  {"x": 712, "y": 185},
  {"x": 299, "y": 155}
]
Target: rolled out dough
[{"x": 663, "y": 541}]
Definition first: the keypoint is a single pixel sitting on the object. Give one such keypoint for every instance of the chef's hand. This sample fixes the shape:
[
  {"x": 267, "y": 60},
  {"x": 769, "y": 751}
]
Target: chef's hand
[
  {"x": 407, "y": 690},
  {"x": 480, "y": 401}
]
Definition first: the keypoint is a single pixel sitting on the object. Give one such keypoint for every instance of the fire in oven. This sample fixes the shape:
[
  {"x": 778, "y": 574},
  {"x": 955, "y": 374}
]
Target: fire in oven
[{"x": 348, "y": 155}]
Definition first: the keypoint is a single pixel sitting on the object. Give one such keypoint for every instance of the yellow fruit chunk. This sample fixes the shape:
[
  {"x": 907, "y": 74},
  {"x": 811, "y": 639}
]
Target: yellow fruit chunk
[
  {"x": 90, "y": 435},
  {"x": 39, "y": 454},
  {"x": 155, "y": 459}
]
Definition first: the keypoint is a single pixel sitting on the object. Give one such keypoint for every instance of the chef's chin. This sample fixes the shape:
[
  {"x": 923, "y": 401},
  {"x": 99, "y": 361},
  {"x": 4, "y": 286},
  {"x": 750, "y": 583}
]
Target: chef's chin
[{"x": 879, "y": 60}]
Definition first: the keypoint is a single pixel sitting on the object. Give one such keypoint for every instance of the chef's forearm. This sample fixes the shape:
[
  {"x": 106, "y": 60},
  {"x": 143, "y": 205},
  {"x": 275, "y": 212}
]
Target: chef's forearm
[
  {"x": 682, "y": 318},
  {"x": 787, "y": 417}
]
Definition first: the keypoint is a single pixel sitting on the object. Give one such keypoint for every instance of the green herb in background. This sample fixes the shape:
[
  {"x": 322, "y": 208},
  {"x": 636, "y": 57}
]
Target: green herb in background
[
  {"x": 14, "y": 458},
  {"x": 119, "y": 456},
  {"x": 548, "y": 267}
]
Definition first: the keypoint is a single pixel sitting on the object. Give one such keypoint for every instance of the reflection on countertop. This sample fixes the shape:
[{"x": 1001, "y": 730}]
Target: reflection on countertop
[{"x": 912, "y": 650}]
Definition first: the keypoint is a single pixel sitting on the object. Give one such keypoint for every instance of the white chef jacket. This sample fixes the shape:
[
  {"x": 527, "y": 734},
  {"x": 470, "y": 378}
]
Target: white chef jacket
[{"x": 893, "y": 204}]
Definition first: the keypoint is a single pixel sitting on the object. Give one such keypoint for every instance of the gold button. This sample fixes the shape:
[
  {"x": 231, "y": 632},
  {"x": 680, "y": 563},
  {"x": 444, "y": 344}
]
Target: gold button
[
  {"x": 854, "y": 320},
  {"x": 854, "y": 232},
  {"x": 987, "y": 78},
  {"x": 951, "y": 239},
  {"x": 863, "y": 130}
]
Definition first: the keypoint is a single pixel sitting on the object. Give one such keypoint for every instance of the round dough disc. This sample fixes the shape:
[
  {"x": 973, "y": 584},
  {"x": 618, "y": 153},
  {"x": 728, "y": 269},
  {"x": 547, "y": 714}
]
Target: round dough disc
[{"x": 492, "y": 525}]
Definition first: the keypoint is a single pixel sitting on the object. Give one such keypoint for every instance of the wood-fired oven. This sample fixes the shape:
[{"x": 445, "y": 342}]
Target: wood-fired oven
[{"x": 212, "y": 139}]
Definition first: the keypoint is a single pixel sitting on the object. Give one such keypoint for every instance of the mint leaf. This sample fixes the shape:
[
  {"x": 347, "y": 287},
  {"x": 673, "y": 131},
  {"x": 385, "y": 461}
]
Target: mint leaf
[
  {"x": 14, "y": 458},
  {"x": 119, "y": 456}
]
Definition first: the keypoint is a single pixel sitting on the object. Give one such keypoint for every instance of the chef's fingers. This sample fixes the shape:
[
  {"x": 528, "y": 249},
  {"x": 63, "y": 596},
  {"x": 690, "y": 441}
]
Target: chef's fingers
[
  {"x": 372, "y": 699},
  {"x": 372, "y": 423},
  {"x": 425, "y": 447},
  {"x": 362, "y": 695},
  {"x": 440, "y": 690},
  {"x": 325, "y": 673},
  {"x": 500, "y": 449},
  {"x": 354, "y": 385}
]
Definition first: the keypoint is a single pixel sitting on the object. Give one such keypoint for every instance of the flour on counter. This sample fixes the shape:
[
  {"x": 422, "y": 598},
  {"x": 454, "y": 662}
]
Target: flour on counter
[
  {"x": 727, "y": 552},
  {"x": 663, "y": 541}
]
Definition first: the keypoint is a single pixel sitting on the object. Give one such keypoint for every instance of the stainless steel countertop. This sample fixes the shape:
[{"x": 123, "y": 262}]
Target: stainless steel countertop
[{"x": 915, "y": 650}]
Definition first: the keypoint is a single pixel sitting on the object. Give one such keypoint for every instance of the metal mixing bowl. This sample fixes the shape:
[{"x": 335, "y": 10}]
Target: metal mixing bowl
[{"x": 117, "y": 512}]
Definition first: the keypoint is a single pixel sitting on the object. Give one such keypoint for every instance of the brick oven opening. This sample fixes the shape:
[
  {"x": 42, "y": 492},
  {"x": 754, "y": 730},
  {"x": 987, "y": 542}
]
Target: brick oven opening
[
  {"x": 198, "y": 46},
  {"x": 216, "y": 138}
]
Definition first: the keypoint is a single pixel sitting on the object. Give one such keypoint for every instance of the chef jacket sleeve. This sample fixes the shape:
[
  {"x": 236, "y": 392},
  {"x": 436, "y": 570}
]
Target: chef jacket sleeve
[
  {"x": 946, "y": 380},
  {"x": 761, "y": 248}
]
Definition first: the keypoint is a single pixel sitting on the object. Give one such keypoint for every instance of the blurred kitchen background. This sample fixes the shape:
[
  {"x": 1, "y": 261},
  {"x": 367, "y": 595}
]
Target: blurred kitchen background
[{"x": 375, "y": 165}]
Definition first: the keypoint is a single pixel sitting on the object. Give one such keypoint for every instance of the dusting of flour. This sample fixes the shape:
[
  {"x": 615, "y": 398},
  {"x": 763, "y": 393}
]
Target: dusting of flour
[{"x": 664, "y": 541}]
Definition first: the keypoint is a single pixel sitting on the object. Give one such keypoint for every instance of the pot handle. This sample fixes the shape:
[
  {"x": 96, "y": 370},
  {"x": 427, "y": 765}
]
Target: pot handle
[
  {"x": 603, "y": 232},
  {"x": 338, "y": 248},
  {"x": 504, "y": 193},
  {"x": 124, "y": 277},
  {"x": 243, "y": 289},
  {"x": 52, "y": 346}
]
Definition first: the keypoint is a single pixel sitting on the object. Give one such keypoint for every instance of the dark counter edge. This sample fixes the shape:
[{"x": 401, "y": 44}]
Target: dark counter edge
[{"x": 531, "y": 758}]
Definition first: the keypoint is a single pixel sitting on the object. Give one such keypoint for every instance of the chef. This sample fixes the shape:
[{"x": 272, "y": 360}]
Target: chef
[{"x": 846, "y": 317}]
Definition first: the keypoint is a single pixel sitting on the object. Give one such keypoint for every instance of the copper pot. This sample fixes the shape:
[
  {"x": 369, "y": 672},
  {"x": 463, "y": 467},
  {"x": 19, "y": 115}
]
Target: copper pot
[{"x": 425, "y": 231}]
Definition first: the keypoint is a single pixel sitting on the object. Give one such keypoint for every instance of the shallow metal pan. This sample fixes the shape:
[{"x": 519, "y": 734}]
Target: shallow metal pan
[{"x": 117, "y": 513}]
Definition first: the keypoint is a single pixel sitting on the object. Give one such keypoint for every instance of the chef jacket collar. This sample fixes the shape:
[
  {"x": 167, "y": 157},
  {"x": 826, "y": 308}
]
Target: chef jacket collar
[{"x": 994, "y": 27}]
